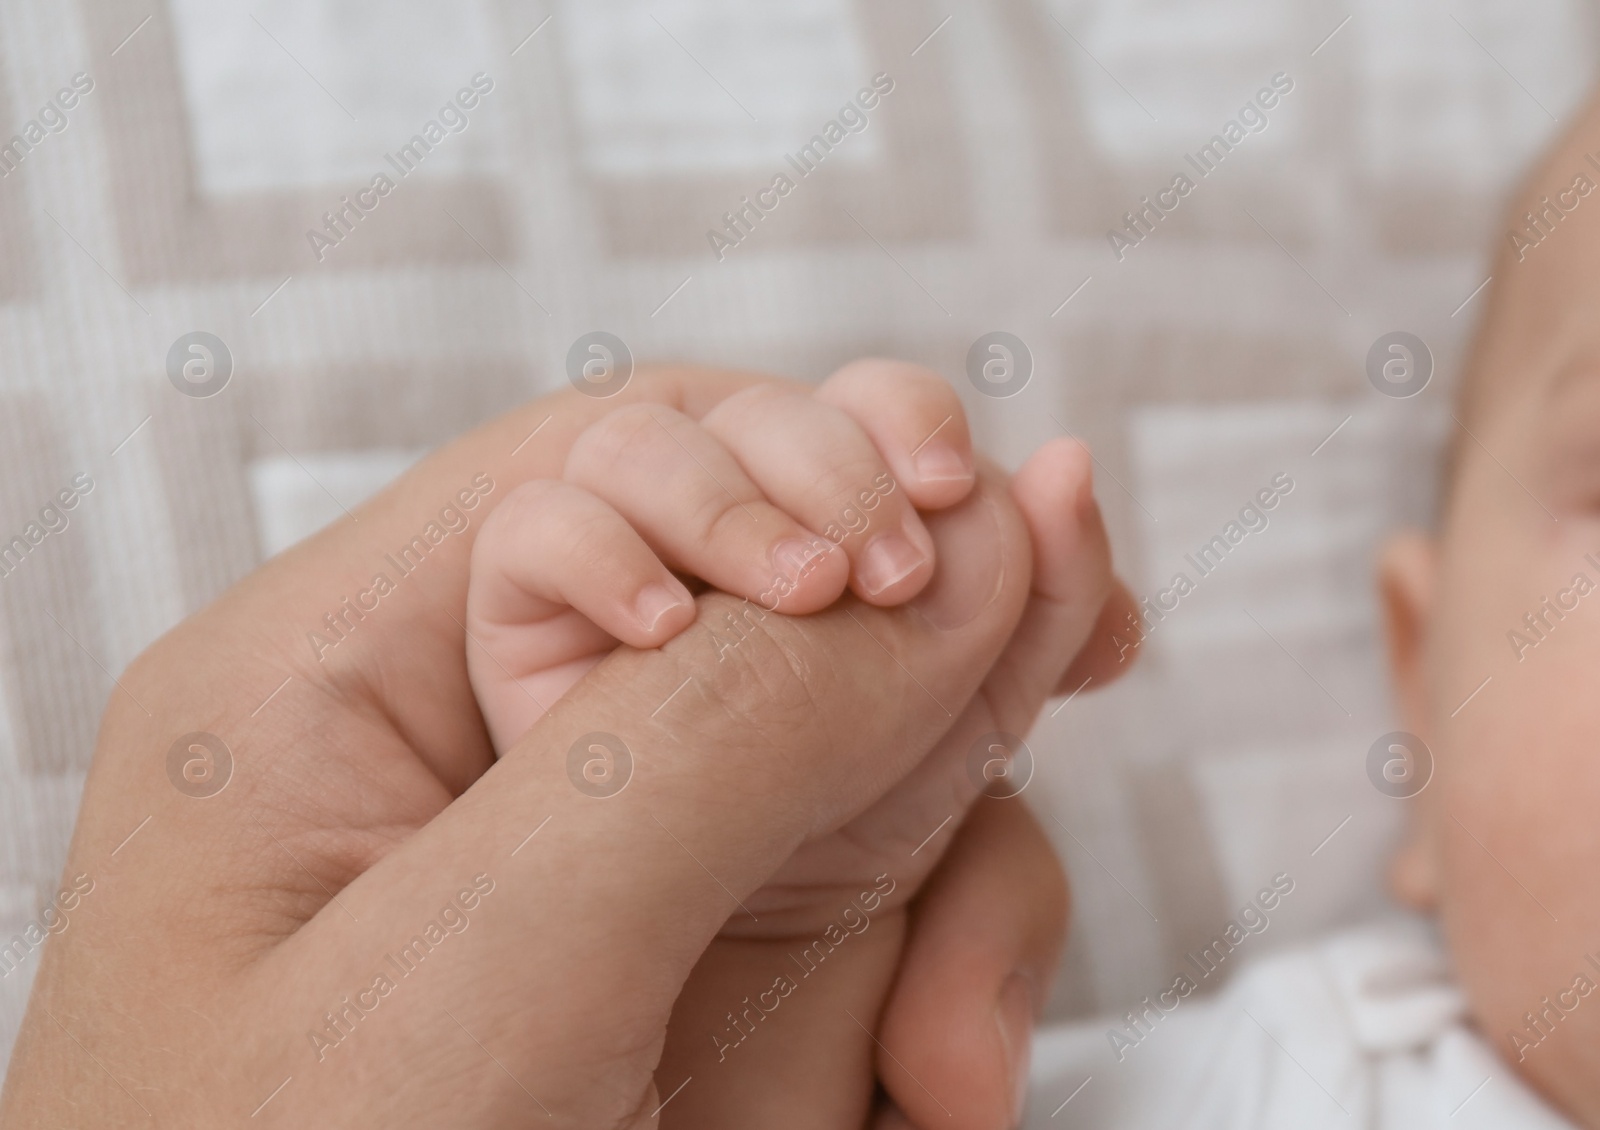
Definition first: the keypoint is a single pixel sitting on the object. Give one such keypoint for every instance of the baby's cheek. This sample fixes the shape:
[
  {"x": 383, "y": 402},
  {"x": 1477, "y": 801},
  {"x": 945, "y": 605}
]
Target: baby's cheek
[
  {"x": 1515, "y": 738},
  {"x": 1518, "y": 786}
]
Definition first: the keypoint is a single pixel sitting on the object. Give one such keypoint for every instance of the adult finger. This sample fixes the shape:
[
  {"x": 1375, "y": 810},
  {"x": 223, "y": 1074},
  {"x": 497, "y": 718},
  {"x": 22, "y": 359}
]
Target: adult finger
[
  {"x": 1070, "y": 577},
  {"x": 986, "y": 935},
  {"x": 1071, "y": 580},
  {"x": 1112, "y": 648}
]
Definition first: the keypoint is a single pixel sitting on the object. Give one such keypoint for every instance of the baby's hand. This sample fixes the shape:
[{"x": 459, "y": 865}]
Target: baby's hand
[{"x": 778, "y": 495}]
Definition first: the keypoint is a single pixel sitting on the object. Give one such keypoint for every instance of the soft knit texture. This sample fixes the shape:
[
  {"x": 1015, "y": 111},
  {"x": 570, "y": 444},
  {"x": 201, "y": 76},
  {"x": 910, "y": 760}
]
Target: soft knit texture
[{"x": 1362, "y": 1030}]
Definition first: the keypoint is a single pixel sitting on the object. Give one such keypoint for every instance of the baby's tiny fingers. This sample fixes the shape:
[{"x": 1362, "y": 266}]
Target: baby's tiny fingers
[
  {"x": 693, "y": 502},
  {"x": 557, "y": 578},
  {"x": 917, "y": 422},
  {"x": 816, "y": 463},
  {"x": 551, "y": 546}
]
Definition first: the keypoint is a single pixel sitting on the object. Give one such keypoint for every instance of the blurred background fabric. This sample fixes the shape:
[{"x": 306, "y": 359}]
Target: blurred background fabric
[{"x": 1227, "y": 348}]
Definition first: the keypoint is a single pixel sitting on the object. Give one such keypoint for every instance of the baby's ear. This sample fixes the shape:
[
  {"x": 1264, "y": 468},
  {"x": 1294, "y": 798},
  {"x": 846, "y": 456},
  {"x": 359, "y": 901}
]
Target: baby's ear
[
  {"x": 1414, "y": 870},
  {"x": 1406, "y": 572},
  {"x": 1406, "y": 579}
]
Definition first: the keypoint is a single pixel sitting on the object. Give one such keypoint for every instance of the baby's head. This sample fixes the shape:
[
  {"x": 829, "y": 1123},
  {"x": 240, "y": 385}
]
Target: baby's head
[{"x": 1505, "y": 844}]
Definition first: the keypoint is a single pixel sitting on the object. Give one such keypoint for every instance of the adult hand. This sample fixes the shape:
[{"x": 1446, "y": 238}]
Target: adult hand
[
  {"x": 371, "y": 924},
  {"x": 755, "y": 1013}
]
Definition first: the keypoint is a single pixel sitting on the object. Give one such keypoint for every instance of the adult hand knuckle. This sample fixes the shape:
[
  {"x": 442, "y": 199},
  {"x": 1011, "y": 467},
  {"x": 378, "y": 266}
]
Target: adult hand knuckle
[{"x": 777, "y": 677}]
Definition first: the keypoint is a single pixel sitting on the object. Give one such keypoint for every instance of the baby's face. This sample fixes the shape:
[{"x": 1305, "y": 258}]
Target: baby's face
[{"x": 1506, "y": 604}]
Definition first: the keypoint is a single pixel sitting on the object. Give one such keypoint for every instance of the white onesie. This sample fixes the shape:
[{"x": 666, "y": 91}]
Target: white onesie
[{"x": 1363, "y": 1031}]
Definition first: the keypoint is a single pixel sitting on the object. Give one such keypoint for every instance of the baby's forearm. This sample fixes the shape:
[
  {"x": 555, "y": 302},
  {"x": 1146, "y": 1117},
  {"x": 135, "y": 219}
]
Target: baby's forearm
[{"x": 768, "y": 1035}]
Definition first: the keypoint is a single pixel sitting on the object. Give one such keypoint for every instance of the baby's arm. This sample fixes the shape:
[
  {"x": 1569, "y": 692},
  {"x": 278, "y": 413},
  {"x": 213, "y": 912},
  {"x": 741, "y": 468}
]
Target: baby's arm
[{"x": 779, "y": 497}]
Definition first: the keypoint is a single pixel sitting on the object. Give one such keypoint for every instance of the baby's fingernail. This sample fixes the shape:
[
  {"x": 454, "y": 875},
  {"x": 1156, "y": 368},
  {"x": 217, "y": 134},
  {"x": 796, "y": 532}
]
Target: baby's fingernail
[
  {"x": 656, "y": 600},
  {"x": 887, "y": 559},
  {"x": 1014, "y": 1017},
  {"x": 938, "y": 462}
]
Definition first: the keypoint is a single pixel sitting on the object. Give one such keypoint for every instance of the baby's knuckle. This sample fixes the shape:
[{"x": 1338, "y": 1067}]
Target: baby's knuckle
[
  {"x": 843, "y": 481},
  {"x": 933, "y": 402},
  {"x": 530, "y": 499},
  {"x": 591, "y": 541},
  {"x": 753, "y": 401},
  {"x": 615, "y": 439},
  {"x": 531, "y": 506},
  {"x": 718, "y": 519}
]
